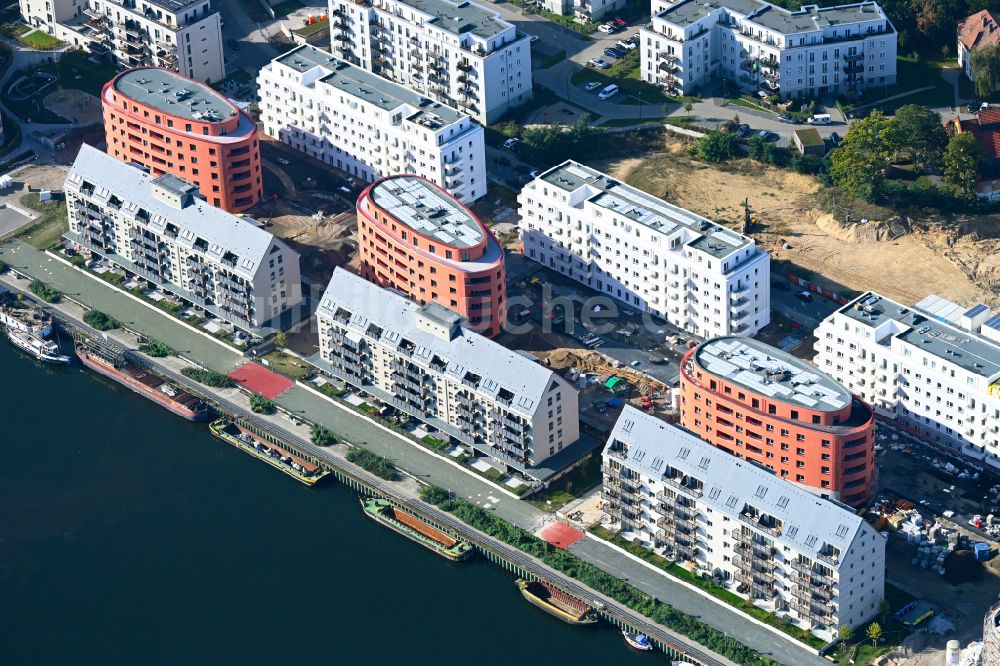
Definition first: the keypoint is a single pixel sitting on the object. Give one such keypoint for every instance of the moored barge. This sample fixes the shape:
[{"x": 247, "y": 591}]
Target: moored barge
[
  {"x": 554, "y": 601},
  {"x": 273, "y": 454},
  {"x": 116, "y": 366},
  {"x": 416, "y": 529}
]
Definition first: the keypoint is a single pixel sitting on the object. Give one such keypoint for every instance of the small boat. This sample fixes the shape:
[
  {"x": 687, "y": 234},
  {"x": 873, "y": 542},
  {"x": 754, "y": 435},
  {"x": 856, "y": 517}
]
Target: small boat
[
  {"x": 288, "y": 462},
  {"x": 637, "y": 641},
  {"x": 554, "y": 601},
  {"x": 44, "y": 350},
  {"x": 416, "y": 529}
]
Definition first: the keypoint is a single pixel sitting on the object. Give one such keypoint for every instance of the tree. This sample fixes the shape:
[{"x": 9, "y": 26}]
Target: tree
[
  {"x": 688, "y": 106},
  {"x": 280, "y": 339},
  {"x": 322, "y": 436},
  {"x": 884, "y": 608},
  {"x": 858, "y": 165},
  {"x": 717, "y": 146},
  {"x": 920, "y": 133},
  {"x": 986, "y": 69},
  {"x": 100, "y": 321},
  {"x": 156, "y": 349},
  {"x": 261, "y": 405},
  {"x": 961, "y": 162},
  {"x": 874, "y": 632},
  {"x": 845, "y": 633}
]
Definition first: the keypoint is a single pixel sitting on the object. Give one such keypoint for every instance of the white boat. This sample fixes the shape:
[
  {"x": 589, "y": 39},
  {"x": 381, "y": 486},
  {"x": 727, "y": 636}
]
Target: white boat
[
  {"x": 637, "y": 641},
  {"x": 44, "y": 350}
]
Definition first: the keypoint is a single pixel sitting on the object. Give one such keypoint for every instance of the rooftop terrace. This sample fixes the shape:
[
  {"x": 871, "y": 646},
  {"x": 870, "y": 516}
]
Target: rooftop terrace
[
  {"x": 175, "y": 95},
  {"x": 645, "y": 209},
  {"x": 771, "y": 372},
  {"x": 428, "y": 210},
  {"x": 968, "y": 350},
  {"x": 773, "y": 17},
  {"x": 362, "y": 84},
  {"x": 459, "y": 18}
]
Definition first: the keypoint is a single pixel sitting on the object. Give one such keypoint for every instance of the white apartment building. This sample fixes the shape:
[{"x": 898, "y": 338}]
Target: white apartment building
[
  {"x": 458, "y": 53},
  {"x": 423, "y": 361},
  {"x": 184, "y": 36},
  {"x": 764, "y": 538},
  {"x": 157, "y": 229},
  {"x": 585, "y": 11},
  {"x": 934, "y": 368},
  {"x": 812, "y": 52},
  {"x": 368, "y": 126},
  {"x": 645, "y": 252}
]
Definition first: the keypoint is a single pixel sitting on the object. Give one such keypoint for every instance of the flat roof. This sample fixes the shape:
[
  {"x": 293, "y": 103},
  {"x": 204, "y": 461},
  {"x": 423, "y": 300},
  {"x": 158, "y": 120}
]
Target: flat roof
[
  {"x": 767, "y": 371},
  {"x": 171, "y": 93},
  {"x": 730, "y": 484},
  {"x": 175, "y": 5},
  {"x": 774, "y": 17},
  {"x": 362, "y": 84},
  {"x": 459, "y": 18},
  {"x": 966, "y": 349},
  {"x": 645, "y": 209},
  {"x": 428, "y": 210}
]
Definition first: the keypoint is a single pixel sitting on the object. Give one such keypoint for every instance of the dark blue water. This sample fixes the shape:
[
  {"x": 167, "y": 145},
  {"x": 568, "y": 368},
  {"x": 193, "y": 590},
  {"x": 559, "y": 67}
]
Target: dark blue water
[{"x": 129, "y": 536}]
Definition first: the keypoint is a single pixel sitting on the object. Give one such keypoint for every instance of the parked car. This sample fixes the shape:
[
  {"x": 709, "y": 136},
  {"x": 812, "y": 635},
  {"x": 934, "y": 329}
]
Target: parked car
[
  {"x": 613, "y": 53},
  {"x": 608, "y": 92},
  {"x": 598, "y": 63},
  {"x": 592, "y": 86},
  {"x": 742, "y": 130},
  {"x": 534, "y": 38},
  {"x": 835, "y": 138},
  {"x": 806, "y": 296},
  {"x": 511, "y": 142},
  {"x": 764, "y": 134},
  {"x": 780, "y": 285},
  {"x": 634, "y": 364},
  {"x": 626, "y": 44},
  {"x": 608, "y": 28},
  {"x": 535, "y": 174},
  {"x": 785, "y": 118},
  {"x": 620, "y": 22},
  {"x": 972, "y": 106},
  {"x": 820, "y": 119},
  {"x": 283, "y": 161}
]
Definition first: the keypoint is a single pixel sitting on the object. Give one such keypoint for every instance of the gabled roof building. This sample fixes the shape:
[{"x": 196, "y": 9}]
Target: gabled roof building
[{"x": 811, "y": 560}]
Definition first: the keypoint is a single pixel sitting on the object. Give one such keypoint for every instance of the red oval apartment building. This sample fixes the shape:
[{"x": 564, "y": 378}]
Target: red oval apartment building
[
  {"x": 761, "y": 404},
  {"x": 418, "y": 239},
  {"x": 172, "y": 124}
]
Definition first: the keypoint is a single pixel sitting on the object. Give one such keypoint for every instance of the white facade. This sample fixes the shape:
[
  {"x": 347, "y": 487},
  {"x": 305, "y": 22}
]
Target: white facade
[
  {"x": 421, "y": 359},
  {"x": 934, "y": 368},
  {"x": 761, "y": 536},
  {"x": 645, "y": 252},
  {"x": 458, "y": 53},
  {"x": 157, "y": 229},
  {"x": 361, "y": 123},
  {"x": 184, "y": 36},
  {"x": 585, "y": 11},
  {"x": 812, "y": 52}
]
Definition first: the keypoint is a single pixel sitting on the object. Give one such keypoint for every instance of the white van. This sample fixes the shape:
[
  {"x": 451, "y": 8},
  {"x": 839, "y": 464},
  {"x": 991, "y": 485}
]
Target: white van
[
  {"x": 609, "y": 91},
  {"x": 819, "y": 119}
]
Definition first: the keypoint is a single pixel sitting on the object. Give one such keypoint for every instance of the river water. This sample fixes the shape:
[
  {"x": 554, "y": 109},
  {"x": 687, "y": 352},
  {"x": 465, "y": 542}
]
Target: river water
[{"x": 129, "y": 536}]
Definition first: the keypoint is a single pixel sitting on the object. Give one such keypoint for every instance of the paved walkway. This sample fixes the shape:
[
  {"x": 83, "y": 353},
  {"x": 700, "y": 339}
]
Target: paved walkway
[{"x": 411, "y": 457}]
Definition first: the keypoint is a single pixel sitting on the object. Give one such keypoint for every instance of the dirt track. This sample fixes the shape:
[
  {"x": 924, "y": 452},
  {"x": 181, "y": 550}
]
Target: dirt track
[{"x": 955, "y": 264}]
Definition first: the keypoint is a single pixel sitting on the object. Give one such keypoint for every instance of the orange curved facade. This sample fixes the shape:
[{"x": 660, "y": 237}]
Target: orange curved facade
[
  {"x": 165, "y": 122},
  {"x": 420, "y": 261},
  {"x": 831, "y": 451}
]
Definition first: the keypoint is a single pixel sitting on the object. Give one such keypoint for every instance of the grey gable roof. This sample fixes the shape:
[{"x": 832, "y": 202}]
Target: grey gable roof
[
  {"x": 808, "y": 521},
  {"x": 221, "y": 232},
  {"x": 497, "y": 367}
]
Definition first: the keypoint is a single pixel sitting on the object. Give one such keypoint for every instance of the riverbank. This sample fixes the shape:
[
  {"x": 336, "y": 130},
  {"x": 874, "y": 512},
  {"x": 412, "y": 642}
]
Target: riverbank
[{"x": 297, "y": 403}]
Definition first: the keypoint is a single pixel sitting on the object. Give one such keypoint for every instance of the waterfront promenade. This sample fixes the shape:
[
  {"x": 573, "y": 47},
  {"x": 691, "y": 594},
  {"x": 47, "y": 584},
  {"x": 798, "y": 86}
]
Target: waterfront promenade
[{"x": 408, "y": 456}]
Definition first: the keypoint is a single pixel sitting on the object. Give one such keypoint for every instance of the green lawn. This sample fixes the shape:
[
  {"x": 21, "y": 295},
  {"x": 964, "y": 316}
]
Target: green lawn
[
  {"x": 39, "y": 40},
  {"x": 910, "y": 74},
  {"x": 288, "y": 365},
  {"x": 49, "y": 227},
  {"x": 571, "y": 486},
  {"x": 311, "y": 29},
  {"x": 626, "y": 73},
  {"x": 543, "y": 60}
]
